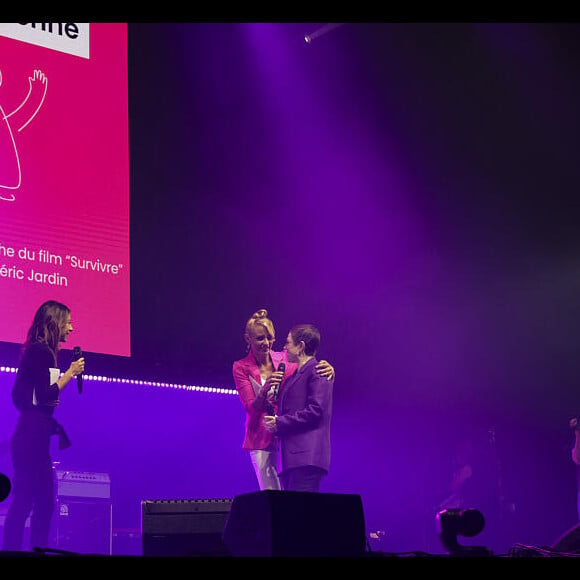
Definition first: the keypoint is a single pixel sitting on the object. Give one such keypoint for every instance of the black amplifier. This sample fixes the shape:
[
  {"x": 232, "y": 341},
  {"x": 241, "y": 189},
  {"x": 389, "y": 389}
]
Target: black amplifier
[{"x": 184, "y": 527}]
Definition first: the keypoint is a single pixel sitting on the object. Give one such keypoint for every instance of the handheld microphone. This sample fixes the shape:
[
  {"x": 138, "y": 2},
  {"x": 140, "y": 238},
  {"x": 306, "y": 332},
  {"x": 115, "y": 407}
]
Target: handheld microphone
[
  {"x": 78, "y": 353},
  {"x": 281, "y": 368},
  {"x": 270, "y": 406}
]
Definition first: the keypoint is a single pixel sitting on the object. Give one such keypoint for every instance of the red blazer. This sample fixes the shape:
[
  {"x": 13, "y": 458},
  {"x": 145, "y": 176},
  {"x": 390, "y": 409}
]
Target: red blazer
[{"x": 256, "y": 435}]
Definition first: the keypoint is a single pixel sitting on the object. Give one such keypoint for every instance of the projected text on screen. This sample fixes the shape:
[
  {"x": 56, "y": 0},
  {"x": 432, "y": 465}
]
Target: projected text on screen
[{"x": 64, "y": 179}]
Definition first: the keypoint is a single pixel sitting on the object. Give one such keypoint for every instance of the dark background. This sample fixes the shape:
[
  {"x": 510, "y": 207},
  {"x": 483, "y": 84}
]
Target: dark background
[{"x": 411, "y": 189}]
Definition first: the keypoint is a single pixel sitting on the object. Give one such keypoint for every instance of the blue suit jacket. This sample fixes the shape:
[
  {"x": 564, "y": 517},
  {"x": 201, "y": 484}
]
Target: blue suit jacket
[{"x": 303, "y": 421}]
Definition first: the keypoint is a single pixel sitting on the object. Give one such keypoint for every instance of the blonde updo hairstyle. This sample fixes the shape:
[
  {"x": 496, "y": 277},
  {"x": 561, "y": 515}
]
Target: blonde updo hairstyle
[{"x": 259, "y": 318}]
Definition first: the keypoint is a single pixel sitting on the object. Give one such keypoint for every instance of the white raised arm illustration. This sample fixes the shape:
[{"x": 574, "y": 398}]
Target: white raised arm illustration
[{"x": 14, "y": 122}]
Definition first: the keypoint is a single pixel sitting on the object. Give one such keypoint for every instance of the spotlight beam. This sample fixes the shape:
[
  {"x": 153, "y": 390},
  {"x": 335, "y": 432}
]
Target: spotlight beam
[{"x": 321, "y": 31}]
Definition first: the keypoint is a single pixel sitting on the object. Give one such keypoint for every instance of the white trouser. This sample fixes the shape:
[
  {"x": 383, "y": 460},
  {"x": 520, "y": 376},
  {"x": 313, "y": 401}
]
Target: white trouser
[{"x": 265, "y": 467}]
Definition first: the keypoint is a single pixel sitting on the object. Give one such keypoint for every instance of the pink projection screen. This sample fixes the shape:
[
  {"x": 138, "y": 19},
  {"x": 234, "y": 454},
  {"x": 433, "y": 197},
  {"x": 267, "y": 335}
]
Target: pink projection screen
[{"x": 64, "y": 180}]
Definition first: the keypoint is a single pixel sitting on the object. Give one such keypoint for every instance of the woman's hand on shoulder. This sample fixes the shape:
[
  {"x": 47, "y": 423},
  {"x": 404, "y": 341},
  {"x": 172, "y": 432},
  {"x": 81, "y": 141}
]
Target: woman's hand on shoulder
[{"x": 325, "y": 369}]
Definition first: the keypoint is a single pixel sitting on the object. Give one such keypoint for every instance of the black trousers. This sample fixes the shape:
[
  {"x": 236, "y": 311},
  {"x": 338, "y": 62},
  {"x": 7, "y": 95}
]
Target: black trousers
[
  {"x": 33, "y": 484},
  {"x": 307, "y": 478}
]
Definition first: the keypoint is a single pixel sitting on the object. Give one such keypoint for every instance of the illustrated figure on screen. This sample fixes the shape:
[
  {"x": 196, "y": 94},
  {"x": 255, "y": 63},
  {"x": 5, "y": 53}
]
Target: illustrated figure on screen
[{"x": 14, "y": 122}]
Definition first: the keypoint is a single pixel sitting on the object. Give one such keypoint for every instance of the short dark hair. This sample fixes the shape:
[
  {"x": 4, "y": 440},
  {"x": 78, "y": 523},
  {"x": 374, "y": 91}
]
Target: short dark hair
[{"x": 309, "y": 334}]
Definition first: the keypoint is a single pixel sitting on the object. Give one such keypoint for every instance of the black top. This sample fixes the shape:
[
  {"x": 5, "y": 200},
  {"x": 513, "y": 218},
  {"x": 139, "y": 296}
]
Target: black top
[{"x": 32, "y": 388}]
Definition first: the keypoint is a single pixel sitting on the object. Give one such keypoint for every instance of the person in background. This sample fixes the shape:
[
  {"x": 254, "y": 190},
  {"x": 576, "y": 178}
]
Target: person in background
[
  {"x": 569, "y": 542},
  {"x": 459, "y": 491},
  {"x": 575, "y": 425},
  {"x": 35, "y": 394},
  {"x": 302, "y": 421},
  {"x": 259, "y": 382}
]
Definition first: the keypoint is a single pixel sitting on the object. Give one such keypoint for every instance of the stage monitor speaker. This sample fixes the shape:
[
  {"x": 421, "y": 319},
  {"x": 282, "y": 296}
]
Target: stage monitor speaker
[
  {"x": 272, "y": 523},
  {"x": 184, "y": 527}
]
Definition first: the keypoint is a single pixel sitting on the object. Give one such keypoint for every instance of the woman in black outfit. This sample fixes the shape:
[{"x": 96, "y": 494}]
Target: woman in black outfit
[{"x": 35, "y": 394}]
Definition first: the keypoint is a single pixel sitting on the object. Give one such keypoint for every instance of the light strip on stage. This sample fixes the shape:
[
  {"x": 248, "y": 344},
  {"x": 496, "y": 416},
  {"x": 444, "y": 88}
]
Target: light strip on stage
[{"x": 139, "y": 382}]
